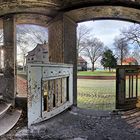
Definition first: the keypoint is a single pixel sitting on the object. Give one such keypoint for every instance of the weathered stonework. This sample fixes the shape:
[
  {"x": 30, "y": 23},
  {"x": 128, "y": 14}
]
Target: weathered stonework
[
  {"x": 9, "y": 58},
  {"x": 70, "y": 50},
  {"x": 55, "y": 40},
  {"x": 75, "y": 4},
  {"x": 52, "y": 7},
  {"x": 62, "y": 44},
  {"x": 47, "y": 7},
  {"x": 104, "y": 12},
  {"x": 41, "y": 20},
  {"x": 60, "y": 16}
]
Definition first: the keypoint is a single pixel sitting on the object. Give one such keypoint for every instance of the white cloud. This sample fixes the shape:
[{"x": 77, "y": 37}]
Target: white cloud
[{"x": 106, "y": 30}]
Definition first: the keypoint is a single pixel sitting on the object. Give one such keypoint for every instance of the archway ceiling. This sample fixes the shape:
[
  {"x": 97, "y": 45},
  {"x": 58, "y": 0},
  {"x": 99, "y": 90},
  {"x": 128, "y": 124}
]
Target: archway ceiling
[
  {"x": 46, "y": 7},
  {"x": 29, "y": 11},
  {"x": 52, "y": 7},
  {"x": 104, "y": 12},
  {"x": 74, "y": 4},
  {"x": 41, "y": 20}
]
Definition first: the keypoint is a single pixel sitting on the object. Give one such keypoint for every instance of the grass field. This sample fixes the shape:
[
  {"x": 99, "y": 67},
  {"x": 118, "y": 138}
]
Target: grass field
[
  {"x": 98, "y": 94},
  {"x": 96, "y": 73}
]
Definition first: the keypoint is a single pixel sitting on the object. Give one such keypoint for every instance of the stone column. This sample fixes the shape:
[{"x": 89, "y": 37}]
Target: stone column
[
  {"x": 70, "y": 50},
  {"x": 0, "y": 58},
  {"x": 9, "y": 58},
  {"x": 62, "y": 45}
]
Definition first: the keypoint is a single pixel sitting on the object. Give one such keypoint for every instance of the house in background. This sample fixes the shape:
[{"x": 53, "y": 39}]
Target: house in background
[
  {"x": 38, "y": 55},
  {"x": 130, "y": 61},
  {"x": 81, "y": 64}
]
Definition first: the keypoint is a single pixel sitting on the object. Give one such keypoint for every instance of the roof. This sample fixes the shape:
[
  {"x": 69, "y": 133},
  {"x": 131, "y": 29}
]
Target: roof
[
  {"x": 43, "y": 46},
  {"x": 129, "y": 60},
  {"x": 80, "y": 59}
]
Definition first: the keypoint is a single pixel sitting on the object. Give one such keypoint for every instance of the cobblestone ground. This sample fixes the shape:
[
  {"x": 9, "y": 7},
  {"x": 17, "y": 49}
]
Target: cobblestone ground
[{"x": 80, "y": 124}]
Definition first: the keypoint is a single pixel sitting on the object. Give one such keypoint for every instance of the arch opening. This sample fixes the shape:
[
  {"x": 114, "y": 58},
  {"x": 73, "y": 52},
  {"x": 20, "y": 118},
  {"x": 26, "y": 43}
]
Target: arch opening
[
  {"x": 32, "y": 47},
  {"x": 98, "y": 41}
]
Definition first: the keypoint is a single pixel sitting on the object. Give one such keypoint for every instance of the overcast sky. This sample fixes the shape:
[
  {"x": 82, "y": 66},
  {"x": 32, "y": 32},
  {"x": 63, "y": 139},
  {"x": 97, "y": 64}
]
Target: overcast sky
[{"x": 106, "y": 30}]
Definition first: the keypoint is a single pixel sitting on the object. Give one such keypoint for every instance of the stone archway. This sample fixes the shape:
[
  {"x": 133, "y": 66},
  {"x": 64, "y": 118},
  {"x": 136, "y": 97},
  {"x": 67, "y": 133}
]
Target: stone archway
[
  {"x": 62, "y": 16},
  {"x": 65, "y": 24}
]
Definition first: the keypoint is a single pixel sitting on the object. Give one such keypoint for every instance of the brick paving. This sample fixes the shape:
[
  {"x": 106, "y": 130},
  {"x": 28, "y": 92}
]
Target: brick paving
[
  {"x": 21, "y": 87},
  {"x": 81, "y": 124}
]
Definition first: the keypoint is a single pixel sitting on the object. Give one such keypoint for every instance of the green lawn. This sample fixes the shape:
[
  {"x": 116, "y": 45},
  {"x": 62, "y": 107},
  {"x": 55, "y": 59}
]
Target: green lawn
[
  {"x": 98, "y": 94},
  {"x": 96, "y": 73}
]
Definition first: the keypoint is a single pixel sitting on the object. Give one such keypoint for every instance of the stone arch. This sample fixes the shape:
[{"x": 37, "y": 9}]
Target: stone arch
[
  {"x": 104, "y": 12},
  {"x": 62, "y": 16},
  {"x": 65, "y": 43},
  {"x": 36, "y": 19}
]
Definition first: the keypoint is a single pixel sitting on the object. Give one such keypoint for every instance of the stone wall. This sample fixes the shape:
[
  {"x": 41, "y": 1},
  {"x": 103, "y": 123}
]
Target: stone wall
[
  {"x": 104, "y": 12},
  {"x": 55, "y": 40},
  {"x": 2, "y": 86}
]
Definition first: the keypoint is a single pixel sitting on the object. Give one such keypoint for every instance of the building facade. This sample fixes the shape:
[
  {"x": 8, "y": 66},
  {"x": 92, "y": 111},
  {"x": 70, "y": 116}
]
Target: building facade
[
  {"x": 81, "y": 64},
  {"x": 130, "y": 61},
  {"x": 38, "y": 55}
]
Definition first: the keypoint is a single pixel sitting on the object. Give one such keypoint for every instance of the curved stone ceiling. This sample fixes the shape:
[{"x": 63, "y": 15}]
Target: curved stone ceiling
[
  {"x": 104, "y": 12},
  {"x": 47, "y": 7},
  {"x": 52, "y": 7},
  {"x": 29, "y": 11}
]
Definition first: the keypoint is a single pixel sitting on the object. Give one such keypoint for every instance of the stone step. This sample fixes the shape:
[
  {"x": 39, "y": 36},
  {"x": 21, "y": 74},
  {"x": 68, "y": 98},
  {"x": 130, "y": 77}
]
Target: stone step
[
  {"x": 3, "y": 108},
  {"x": 8, "y": 121}
]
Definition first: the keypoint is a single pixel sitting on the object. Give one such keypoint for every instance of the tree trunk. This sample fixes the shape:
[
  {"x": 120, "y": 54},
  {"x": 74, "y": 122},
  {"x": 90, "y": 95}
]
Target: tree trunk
[
  {"x": 109, "y": 69},
  {"x": 92, "y": 66}
]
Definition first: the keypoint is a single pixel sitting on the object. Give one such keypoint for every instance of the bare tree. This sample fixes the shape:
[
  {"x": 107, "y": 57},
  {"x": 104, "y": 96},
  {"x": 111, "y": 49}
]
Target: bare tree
[
  {"x": 83, "y": 32},
  {"x": 28, "y": 36},
  {"x": 132, "y": 34},
  {"x": 121, "y": 48},
  {"x": 136, "y": 54},
  {"x": 93, "y": 50}
]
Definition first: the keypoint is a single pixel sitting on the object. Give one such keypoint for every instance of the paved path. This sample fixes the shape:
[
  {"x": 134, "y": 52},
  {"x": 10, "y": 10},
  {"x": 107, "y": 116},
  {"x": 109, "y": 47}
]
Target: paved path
[{"x": 79, "y": 124}]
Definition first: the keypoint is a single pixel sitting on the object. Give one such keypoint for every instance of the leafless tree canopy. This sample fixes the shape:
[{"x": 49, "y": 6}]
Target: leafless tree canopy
[
  {"x": 132, "y": 34},
  {"x": 31, "y": 34},
  {"x": 121, "y": 48},
  {"x": 83, "y": 32},
  {"x": 93, "y": 50},
  {"x": 28, "y": 36},
  {"x": 136, "y": 54}
]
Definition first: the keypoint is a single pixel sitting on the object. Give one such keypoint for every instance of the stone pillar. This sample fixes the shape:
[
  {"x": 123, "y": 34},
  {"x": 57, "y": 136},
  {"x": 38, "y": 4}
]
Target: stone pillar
[
  {"x": 70, "y": 50},
  {"x": 55, "y": 40},
  {"x": 0, "y": 58},
  {"x": 9, "y": 58},
  {"x": 62, "y": 45}
]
